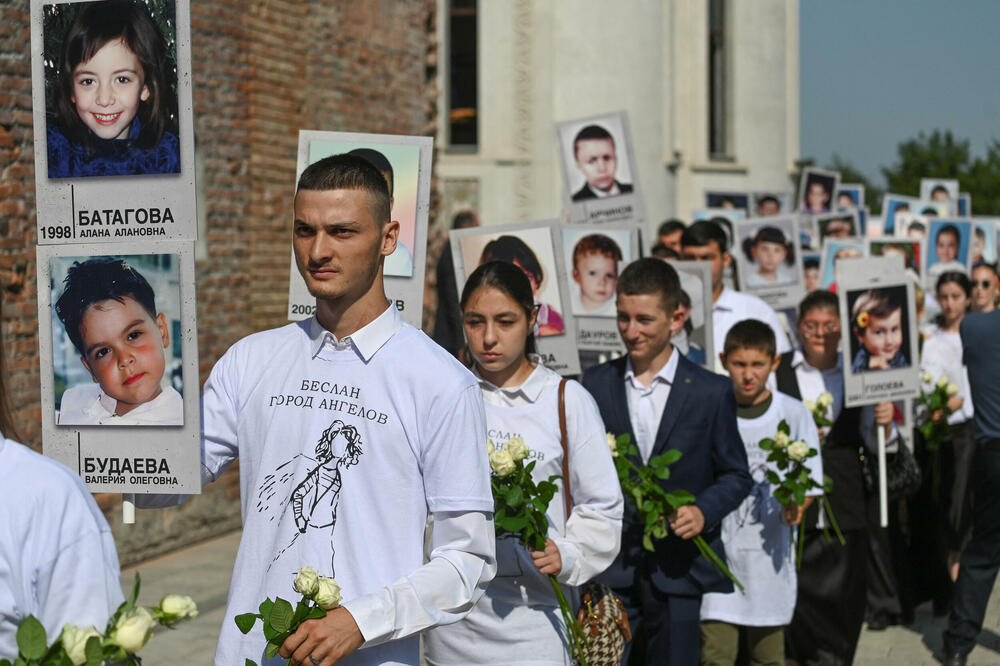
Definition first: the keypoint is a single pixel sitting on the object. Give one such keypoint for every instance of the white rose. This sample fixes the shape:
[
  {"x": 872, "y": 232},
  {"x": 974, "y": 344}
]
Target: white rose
[
  {"x": 613, "y": 445},
  {"x": 824, "y": 400},
  {"x": 781, "y": 440},
  {"x": 133, "y": 629},
  {"x": 306, "y": 582},
  {"x": 798, "y": 450},
  {"x": 179, "y": 606},
  {"x": 926, "y": 378},
  {"x": 328, "y": 594},
  {"x": 943, "y": 380},
  {"x": 516, "y": 448},
  {"x": 74, "y": 641},
  {"x": 490, "y": 447},
  {"x": 501, "y": 462},
  {"x": 952, "y": 389}
]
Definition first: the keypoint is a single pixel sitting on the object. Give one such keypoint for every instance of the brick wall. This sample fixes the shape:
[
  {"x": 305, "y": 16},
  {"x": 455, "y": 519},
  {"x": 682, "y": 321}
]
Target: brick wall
[{"x": 262, "y": 70}]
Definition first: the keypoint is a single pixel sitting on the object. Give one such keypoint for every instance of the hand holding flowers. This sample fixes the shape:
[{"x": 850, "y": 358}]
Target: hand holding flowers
[
  {"x": 127, "y": 632},
  {"x": 319, "y": 594}
]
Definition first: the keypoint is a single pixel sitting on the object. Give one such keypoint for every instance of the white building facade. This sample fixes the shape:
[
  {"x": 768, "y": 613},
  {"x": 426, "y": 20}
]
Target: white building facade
[{"x": 711, "y": 88}]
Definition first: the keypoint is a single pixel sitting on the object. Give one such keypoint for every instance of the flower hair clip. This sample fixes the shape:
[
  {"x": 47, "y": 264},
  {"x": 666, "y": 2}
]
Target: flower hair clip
[{"x": 862, "y": 319}]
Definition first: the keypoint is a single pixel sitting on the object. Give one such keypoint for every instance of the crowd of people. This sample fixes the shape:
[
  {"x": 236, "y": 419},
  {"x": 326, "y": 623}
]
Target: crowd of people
[{"x": 394, "y": 435}]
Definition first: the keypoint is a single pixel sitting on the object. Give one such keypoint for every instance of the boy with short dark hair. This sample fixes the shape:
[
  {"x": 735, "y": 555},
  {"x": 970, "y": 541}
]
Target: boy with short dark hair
[
  {"x": 706, "y": 241},
  {"x": 594, "y": 150},
  {"x": 757, "y": 535},
  {"x": 109, "y": 312},
  {"x": 663, "y": 401}
]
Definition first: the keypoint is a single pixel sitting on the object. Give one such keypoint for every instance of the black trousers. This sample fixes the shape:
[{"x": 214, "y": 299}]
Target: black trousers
[
  {"x": 981, "y": 557},
  {"x": 666, "y": 628}
]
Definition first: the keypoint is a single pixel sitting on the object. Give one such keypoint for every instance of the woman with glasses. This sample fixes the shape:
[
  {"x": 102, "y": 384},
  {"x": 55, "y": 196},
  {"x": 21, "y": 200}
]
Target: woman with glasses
[{"x": 832, "y": 580}]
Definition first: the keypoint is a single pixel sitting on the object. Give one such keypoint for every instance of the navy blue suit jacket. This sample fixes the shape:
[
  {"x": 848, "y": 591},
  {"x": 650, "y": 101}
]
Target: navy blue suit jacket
[{"x": 699, "y": 420}]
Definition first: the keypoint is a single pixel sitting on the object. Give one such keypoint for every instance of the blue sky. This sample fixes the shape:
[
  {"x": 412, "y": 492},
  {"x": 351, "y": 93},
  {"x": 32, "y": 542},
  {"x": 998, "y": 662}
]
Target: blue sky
[{"x": 877, "y": 72}]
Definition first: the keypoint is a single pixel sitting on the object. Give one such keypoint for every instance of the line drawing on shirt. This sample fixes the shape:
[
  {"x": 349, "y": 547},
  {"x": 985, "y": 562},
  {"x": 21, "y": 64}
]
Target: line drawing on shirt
[{"x": 313, "y": 500}]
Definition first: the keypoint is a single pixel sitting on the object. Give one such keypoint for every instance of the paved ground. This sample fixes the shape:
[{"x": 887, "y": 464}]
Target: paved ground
[{"x": 203, "y": 571}]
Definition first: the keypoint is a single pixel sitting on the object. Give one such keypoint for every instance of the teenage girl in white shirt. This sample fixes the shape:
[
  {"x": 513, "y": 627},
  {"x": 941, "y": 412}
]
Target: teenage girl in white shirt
[{"x": 518, "y": 619}]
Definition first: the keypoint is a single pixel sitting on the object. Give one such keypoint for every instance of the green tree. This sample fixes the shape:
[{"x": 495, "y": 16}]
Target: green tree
[{"x": 849, "y": 174}]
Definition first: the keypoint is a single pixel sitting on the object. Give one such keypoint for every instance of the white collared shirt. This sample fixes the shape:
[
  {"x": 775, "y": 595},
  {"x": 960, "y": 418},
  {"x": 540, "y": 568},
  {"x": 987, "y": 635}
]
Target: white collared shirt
[
  {"x": 612, "y": 192},
  {"x": 735, "y": 306},
  {"x": 526, "y": 393},
  {"x": 646, "y": 403}
]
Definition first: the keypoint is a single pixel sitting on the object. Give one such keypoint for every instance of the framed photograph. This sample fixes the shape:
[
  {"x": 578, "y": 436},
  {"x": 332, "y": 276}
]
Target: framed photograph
[
  {"x": 118, "y": 171},
  {"x": 835, "y": 250},
  {"x": 879, "y": 341},
  {"x": 816, "y": 190},
  {"x": 770, "y": 260},
  {"x": 984, "y": 247},
  {"x": 118, "y": 347},
  {"x": 949, "y": 248},
  {"x": 695, "y": 340},
  {"x": 811, "y": 271},
  {"x": 941, "y": 190},
  {"x": 850, "y": 195},
  {"x": 728, "y": 200},
  {"x": 912, "y": 251},
  {"x": 771, "y": 202},
  {"x": 405, "y": 162},
  {"x": 892, "y": 206},
  {"x": 863, "y": 215},
  {"x": 531, "y": 246},
  {"x": 911, "y": 225},
  {"x": 964, "y": 204},
  {"x": 593, "y": 259},
  {"x": 809, "y": 232},
  {"x": 599, "y": 169},
  {"x": 838, "y": 225}
]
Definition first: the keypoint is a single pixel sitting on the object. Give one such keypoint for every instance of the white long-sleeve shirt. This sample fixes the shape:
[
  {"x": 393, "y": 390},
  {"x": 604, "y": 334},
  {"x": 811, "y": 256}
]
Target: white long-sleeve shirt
[
  {"x": 345, "y": 446},
  {"x": 57, "y": 554}
]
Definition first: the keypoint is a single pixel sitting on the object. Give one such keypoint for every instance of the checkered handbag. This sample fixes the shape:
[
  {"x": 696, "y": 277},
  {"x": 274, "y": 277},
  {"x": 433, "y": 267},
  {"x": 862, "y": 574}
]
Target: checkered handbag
[{"x": 601, "y": 614}]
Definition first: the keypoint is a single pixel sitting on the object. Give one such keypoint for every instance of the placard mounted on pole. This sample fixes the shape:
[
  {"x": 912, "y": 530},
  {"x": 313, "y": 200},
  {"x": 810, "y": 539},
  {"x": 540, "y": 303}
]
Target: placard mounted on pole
[
  {"x": 114, "y": 153},
  {"x": 405, "y": 162}
]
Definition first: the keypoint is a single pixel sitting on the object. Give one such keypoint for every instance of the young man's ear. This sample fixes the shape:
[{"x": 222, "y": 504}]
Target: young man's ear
[
  {"x": 776, "y": 363},
  {"x": 727, "y": 259},
  {"x": 161, "y": 323},
  {"x": 677, "y": 322},
  {"x": 533, "y": 319},
  {"x": 722, "y": 359},
  {"x": 390, "y": 236}
]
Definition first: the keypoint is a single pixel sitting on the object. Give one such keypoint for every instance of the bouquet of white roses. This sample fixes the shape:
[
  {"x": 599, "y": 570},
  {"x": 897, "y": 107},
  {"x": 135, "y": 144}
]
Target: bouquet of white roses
[
  {"x": 821, "y": 415},
  {"x": 519, "y": 511},
  {"x": 319, "y": 594},
  {"x": 127, "y": 632},
  {"x": 934, "y": 397},
  {"x": 652, "y": 502},
  {"x": 792, "y": 480}
]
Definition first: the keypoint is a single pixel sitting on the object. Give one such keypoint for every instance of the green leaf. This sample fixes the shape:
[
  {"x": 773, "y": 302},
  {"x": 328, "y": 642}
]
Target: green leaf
[
  {"x": 271, "y": 651},
  {"x": 647, "y": 543},
  {"x": 246, "y": 621},
  {"x": 281, "y": 615},
  {"x": 668, "y": 457},
  {"x": 772, "y": 477},
  {"x": 31, "y": 638},
  {"x": 93, "y": 651},
  {"x": 265, "y": 609},
  {"x": 250, "y": 662},
  {"x": 515, "y": 496},
  {"x": 135, "y": 591},
  {"x": 316, "y": 613},
  {"x": 682, "y": 497}
]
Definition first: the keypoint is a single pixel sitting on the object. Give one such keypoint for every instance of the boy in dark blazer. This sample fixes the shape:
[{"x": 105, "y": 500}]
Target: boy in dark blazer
[{"x": 664, "y": 401}]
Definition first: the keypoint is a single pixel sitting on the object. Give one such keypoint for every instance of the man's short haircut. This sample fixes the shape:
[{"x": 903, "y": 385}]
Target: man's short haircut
[
  {"x": 591, "y": 132},
  {"x": 768, "y": 199},
  {"x": 940, "y": 188},
  {"x": 815, "y": 300},
  {"x": 671, "y": 226},
  {"x": 96, "y": 280},
  {"x": 649, "y": 276},
  {"x": 750, "y": 334},
  {"x": 949, "y": 229},
  {"x": 465, "y": 219},
  {"x": 702, "y": 233},
  {"x": 596, "y": 244},
  {"x": 349, "y": 172},
  {"x": 380, "y": 162},
  {"x": 811, "y": 262},
  {"x": 661, "y": 251},
  {"x": 916, "y": 226}
]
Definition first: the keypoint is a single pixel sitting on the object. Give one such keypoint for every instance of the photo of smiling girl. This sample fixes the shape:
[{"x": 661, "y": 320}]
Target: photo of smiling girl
[
  {"x": 128, "y": 371},
  {"x": 880, "y": 329},
  {"x": 112, "y": 109}
]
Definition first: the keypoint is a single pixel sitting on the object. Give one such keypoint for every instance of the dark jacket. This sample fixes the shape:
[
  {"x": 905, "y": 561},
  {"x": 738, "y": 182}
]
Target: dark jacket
[{"x": 699, "y": 420}]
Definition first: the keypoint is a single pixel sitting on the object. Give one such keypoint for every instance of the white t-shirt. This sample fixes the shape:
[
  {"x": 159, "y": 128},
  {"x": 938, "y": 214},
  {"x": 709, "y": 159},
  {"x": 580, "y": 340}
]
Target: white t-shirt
[
  {"x": 344, "y": 448},
  {"x": 735, "y": 306},
  {"x": 943, "y": 353},
  {"x": 87, "y": 404},
  {"x": 516, "y": 620},
  {"x": 758, "y": 541},
  {"x": 57, "y": 553}
]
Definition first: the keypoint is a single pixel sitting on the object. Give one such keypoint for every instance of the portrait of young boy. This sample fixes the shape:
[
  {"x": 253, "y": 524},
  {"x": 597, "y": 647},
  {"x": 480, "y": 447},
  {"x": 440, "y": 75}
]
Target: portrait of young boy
[
  {"x": 108, "y": 312},
  {"x": 595, "y": 259},
  {"x": 596, "y": 158}
]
